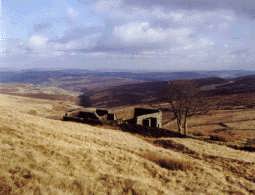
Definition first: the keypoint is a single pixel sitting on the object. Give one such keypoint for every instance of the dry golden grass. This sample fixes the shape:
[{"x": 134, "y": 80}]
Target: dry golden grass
[
  {"x": 230, "y": 126},
  {"x": 168, "y": 162},
  {"x": 34, "y": 89},
  {"x": 39, "y": 155}
]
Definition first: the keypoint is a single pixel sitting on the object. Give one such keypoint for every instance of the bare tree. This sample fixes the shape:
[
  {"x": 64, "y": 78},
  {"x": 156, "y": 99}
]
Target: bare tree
[{"x": 185, "y": 100}]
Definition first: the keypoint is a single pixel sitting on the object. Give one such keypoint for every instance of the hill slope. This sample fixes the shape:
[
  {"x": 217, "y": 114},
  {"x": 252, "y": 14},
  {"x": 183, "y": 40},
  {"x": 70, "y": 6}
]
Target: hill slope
[
  {"x": 44, "y": 156},
  {"x": 151, "y": 92}
]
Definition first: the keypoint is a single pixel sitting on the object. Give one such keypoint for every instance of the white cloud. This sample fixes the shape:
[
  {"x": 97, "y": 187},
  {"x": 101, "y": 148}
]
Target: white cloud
[
  {"x": 139, "y": 32},
  {"x": 166, "y": 31},
  {"x": 142, "y": 33},
  {"x": 37, "y": 42}
]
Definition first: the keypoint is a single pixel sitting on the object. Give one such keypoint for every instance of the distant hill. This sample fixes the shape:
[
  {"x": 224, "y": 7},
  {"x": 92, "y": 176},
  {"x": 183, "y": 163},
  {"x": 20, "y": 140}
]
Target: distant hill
[
  {"x": 128, "y": 94},
  {"x": 150, "y": 92},
  {"x": 238, "y": 85},
  {"x": 112, "y": 89},
  {"x": 78, "y": 80}
]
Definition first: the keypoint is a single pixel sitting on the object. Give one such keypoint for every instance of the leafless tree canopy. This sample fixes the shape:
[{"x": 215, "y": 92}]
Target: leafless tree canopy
[{"x": 185, "y": 100}]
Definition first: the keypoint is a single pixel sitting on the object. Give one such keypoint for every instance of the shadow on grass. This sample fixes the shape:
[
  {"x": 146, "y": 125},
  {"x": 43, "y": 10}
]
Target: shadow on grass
[{"x": 150, "y": 132}]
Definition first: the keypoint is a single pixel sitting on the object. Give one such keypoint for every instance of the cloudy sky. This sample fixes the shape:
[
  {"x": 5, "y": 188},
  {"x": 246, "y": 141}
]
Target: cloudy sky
[{"x": 128, "y": 34}]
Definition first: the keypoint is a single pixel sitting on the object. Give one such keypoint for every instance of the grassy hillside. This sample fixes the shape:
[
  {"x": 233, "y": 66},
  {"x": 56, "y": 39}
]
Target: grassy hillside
[
  {"x": 39, "y": 155},
  {"x": 233, "y": 127},
  {"x": 38, "y": 91}
]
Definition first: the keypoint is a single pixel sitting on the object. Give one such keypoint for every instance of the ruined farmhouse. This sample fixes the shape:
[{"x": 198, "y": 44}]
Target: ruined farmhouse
[
  {"x": 145, "y": 117},
  {"x": 90, "y": 116}
]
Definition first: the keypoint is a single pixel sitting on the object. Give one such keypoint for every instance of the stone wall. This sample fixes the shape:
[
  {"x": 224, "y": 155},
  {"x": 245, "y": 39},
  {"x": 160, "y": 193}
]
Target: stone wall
[{"x": 150, "y": 119}]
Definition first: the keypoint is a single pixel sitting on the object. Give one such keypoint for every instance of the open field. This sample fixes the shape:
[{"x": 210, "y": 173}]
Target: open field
[
  {"x": 233, "y": 127},
  {"x": 38, "y": 91},
  {"x": 44, "y": 156}
]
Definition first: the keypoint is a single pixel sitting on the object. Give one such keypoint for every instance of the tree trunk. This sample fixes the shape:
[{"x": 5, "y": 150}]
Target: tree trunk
[
  {"x": 185, "y": 126},
  {"x": 179, "y": 125}
]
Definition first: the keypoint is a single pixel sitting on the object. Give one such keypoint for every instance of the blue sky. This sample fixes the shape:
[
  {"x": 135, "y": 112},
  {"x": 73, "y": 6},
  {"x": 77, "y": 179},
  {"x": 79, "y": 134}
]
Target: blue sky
[{"x": 128, "y": 34}]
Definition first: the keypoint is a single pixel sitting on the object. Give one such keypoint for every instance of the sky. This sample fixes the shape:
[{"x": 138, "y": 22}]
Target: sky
[{"x": 157, "y": 35}]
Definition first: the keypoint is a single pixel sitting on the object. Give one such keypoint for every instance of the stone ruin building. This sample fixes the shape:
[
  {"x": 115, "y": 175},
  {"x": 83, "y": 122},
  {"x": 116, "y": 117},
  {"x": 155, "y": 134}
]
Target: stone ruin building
[
  {"x": 146, "y": 117},
  {"x": 90, "y": 116}
]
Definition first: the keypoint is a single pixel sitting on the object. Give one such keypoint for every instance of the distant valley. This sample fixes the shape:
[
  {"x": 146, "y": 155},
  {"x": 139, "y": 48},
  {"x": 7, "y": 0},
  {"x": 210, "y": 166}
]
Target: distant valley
[{"x": 111, "y": 89}]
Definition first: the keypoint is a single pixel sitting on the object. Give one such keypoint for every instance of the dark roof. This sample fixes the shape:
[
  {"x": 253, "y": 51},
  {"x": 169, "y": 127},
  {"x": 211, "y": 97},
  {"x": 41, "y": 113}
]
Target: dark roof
[
  {"x": 88, "y": 115},
  {"x": 144, "y": 111},
  {"x": 101, "y": 112}
]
